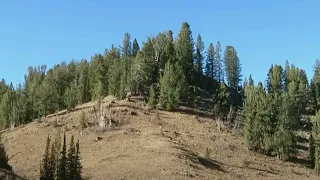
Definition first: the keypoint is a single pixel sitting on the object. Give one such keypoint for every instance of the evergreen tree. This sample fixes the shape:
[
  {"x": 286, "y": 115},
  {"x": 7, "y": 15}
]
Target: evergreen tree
[
  {"x": 135, "y": 48},
  {"x": 114, "y": 75},
  {"x": 78, "y": 166},
  {"x": 71, "y": 96},
  {"x": 46, "y": 171},
  {"x": 184, "y": 51},
  {"x": 275, "y": 81},
  {"x": 316, "y": 137},
  {"x": 84, "y": 94},
  {"x": 126, "y": 45},
  {"x": 285, "y": 140},
  {"x": 71, "y": 161},
  {"x": 210, "y": 66},
  {"x": 62, "y": 164},
  {"x": 257, "y": 123},
  {"x": 199, "y": 56},
  {"x": 232, "y": 67},
  {"x": 172, "y": 85},
  {"x": 218, "y": 62},
  {"x": 221, "y": 105},
  {"x": 152, "y": 99},
  {"x": 251, "y": 82}
]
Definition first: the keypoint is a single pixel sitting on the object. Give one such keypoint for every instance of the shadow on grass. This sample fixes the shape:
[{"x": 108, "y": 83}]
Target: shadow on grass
[
  {"x": 304, "y": 162},
  {"x": 192, "y": 111},
  {"x": 198, "y": 160}
]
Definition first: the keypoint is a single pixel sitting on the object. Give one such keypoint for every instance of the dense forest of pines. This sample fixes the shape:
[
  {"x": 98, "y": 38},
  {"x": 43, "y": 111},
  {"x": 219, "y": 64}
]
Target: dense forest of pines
[{"x": 172, "y": 71}]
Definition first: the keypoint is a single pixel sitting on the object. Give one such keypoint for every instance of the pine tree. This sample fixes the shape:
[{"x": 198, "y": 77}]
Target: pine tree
[
  {"x": 232, "y": 67},
  {"x": 199, "y": 56},
  {"x": 46, "y": 171},
  {"x": 210, "y": 66},
  {"x": 256, "y": 119},
  {"x": 135, "y": 48},
  {"x": 78, "y": 166},
  {"x": 316, "y": 138},
  {"x": 285, "y": 134},
  {"x": 275, "y": 81},
  {"x": 221, "y": 105},
  {"x": 152, "y": 99},
  {"x": 218, "y": 63},
  {"x": 62, "y": 164},
  {"x": 115, "y": 72},
  {"x": 251, "y": 82},
  {"x": 184, "y": 51},
  {"x": 172, "y": 85},
  {"x": 72, "y": 96},
  {"x": 84, "y": 94},
  {"x": 312, "y": 150},
  {"x": 71, "y": 161}
]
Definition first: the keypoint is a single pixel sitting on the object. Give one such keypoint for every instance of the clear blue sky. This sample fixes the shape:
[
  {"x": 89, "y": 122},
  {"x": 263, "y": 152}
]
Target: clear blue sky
[{"x": 34, "y": 32}]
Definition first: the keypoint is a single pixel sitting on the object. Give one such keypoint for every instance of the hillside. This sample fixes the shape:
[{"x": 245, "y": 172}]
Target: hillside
[{"x": 173, "y": 146}]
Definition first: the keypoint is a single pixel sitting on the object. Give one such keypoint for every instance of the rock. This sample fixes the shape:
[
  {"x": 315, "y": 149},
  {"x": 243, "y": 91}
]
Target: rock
[
  {"x": 98, "y": 138},
  {"x": 133, "y": 113}
]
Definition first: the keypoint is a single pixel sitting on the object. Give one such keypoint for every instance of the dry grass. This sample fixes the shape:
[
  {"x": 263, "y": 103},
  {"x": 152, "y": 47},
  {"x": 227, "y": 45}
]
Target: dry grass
[{"x": 141, "y": 148}]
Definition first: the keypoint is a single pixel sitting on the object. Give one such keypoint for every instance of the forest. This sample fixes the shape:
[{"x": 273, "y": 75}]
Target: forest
[{"x": 170, "y": 72}]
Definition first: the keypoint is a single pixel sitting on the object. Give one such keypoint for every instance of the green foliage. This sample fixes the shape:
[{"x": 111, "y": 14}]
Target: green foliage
[
  {"x": 172, "y": 85},
  {"x": 135, "y": 48},
  {"x": 61, "y": 163},
  {"x": 46, "y": 170},
  {"x": 152, "y": 99},
  {"x": 83, "y": 120},
  {"x": 275, "y": 80},
  {"x": 232, "y": 67},
  {"x": 71, "y": 96},
  {"x": 285, "y": 135},
  {"x": 222, "y": 106},
  {"x": 210, "y": 66},
  {"x": 315, "y": 150},
  {"x": 184, "y": 51},
  {"x": 199, "y": 59}
]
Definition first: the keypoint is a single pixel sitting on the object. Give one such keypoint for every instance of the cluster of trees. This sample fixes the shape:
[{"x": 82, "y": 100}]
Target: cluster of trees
[
  {"x": 60, "y": 163},
  {"x": 273, "y": 114},
  {"x": 174, "y": 68}
]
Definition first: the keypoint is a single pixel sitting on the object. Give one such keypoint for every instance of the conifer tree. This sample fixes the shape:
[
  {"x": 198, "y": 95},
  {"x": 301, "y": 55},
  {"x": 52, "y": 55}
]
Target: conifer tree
[
  {"x": 232, "y": 67},
  {"x": 210, "y": 66},
  {"x": 221, "y": 105},
  {"x": 285, "y": 134},
  {"x": 172, "y": 85},
  {"x": 275, "y": 81},
  {"x": 218, "y": 62},
  {"x": 152, "y": 99},
  {"x": 184, "y": 51},
  {"x": 78, "y": 166},
  {"x": 71, "y": 161},
  {"x": 84, "y": 94},
  {"x": 46, "y": 171},
  {"x": 135, "y": 48},
  {"x": 199, "y": 56},
  {"x": 251, "y": 82},
  {"x": 316, "y": 137},
  {"x": 62, "y": 164},
  {"x": 72, "y": 96},
  {"x": 115, "y": 73}
]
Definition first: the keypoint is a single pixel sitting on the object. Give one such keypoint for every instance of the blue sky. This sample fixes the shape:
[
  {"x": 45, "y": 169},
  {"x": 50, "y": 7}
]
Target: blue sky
[{"x": 36, "y": 32}]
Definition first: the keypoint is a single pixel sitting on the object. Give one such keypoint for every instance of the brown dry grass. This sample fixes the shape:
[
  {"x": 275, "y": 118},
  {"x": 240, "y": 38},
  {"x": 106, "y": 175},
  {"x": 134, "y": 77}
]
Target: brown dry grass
[{"x": 172, "y": 146}]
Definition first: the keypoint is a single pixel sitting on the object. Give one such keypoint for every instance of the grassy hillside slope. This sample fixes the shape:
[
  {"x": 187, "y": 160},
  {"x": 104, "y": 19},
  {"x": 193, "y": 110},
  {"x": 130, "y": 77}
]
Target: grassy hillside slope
[{"x": 148, "y": 145}]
